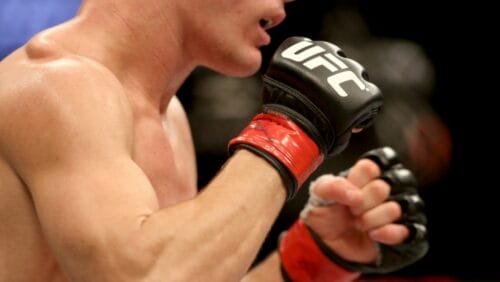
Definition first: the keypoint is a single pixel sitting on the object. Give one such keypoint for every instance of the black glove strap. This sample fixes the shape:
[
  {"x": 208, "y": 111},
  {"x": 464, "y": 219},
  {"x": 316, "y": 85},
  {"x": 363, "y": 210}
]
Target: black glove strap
[{"x": 393, "y": 257}]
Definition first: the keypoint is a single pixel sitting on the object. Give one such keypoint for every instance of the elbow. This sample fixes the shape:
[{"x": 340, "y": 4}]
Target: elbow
[
  {"x": 128, "y": 259},
  {"x": 107, "y": 258}
]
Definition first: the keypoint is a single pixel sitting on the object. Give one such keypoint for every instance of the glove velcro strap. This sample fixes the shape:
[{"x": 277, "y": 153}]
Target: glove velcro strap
[
  {"x": 303, "y": 261},
  {"x": 275, "y": 137}
]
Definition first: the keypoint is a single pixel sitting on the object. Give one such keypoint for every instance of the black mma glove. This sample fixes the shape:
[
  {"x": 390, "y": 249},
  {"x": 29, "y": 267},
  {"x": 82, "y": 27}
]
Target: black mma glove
[
  {"x": 313, "y": 96},
  {"x": 404, "y": 191}
]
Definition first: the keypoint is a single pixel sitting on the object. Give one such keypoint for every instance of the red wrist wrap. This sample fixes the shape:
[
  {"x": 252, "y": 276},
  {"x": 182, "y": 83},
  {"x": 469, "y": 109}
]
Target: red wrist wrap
[
  {"x": 303, "y": 261},
  {"x": 279, "y": 136}
]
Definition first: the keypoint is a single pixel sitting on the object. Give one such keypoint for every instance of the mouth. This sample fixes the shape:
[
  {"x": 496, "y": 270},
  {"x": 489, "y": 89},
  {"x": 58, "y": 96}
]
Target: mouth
[
  {"x": 266, "y": 23},
  {"x": 270, "y": 22}
]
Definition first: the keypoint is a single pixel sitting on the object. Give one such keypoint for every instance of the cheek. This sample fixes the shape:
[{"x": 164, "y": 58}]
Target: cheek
[{"x": 231, "y": 44}]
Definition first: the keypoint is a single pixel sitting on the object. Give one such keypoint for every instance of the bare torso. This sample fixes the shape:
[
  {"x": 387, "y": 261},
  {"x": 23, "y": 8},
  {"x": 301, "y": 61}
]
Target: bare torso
[{"x": 162, "y": 147}]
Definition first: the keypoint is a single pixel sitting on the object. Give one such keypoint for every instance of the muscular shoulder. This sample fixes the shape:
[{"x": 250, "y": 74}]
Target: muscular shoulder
[
  {"x": 53, "y": 101},
  {"x": 40, "y": 71}
]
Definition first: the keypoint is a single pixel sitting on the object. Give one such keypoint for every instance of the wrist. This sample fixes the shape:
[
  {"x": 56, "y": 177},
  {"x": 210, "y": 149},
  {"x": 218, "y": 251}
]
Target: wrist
[
  {"x": 284, "y": 144},
  {"x": 303, "y": 260}
]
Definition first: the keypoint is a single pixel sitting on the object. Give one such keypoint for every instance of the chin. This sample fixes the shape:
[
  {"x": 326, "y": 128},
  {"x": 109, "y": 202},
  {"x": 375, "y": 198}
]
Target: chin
[
  {"x": 241, "y": 64},
  {"x": 245, "y": 62},
  {"x": 245, "y": 72},
  {"x": 247, "y": 67}
]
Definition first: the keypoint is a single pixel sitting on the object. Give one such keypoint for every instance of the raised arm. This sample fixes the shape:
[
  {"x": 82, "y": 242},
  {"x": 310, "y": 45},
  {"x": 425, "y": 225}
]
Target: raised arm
[
  {"x": 70, "y": 140},
  {"x": 73, "y": 146}
]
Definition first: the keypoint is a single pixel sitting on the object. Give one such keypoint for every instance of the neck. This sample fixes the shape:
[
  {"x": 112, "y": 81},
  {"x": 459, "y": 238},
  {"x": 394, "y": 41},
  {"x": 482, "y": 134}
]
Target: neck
[{"x": 139, "y": 42}]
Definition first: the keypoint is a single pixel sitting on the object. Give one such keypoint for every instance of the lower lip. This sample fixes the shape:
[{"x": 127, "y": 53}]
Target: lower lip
[{"x": 265, "y": 38}]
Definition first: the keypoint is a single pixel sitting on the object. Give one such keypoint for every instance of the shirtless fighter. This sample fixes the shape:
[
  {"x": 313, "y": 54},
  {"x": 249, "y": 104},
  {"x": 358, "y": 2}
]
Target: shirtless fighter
[{"x": 97, "y": 170}]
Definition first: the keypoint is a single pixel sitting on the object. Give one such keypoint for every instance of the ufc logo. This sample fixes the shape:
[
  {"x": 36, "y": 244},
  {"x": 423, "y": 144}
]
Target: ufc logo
[{"x": 313, "y": 56}]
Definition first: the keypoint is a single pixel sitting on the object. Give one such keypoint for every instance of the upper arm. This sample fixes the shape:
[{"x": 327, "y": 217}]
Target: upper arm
[
  {"x": 69, "y": 139},
  {"x": 71, "y": 143}
]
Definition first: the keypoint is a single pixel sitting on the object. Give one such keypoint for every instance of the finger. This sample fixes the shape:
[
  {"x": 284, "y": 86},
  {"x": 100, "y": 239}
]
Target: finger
[
  {"x": 333, "y": 188},
  {"x": 330, "y": 222},
  {"x": 363, "y": 172},
  {"x": 390, "y": 234},
  {"x": 381, "y": 215},
  {"x": 374, "y": 193}
]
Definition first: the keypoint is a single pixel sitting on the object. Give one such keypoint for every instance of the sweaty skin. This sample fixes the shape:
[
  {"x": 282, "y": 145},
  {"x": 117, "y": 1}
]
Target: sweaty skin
[
  {"x": 97, "y": 170},
  {"x": 157, "y": 143},
  {"x": 145, "y": 162}
]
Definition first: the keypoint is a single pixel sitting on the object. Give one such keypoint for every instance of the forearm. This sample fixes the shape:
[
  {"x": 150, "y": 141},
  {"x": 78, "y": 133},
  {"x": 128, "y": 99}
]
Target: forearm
[{"x": 217, "y": 235}]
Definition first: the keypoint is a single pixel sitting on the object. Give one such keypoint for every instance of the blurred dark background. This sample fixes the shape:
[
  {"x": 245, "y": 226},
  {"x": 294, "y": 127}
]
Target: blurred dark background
[
  {"x": 430, "y": 61},
  {"x": 438, "y": 96}
]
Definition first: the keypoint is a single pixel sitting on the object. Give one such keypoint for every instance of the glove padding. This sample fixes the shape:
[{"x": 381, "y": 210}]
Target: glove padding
[
  {"x": 312, "y": 86},
  {"x": 404, "y": 191},
  {"x": 323, "y": 91}
]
